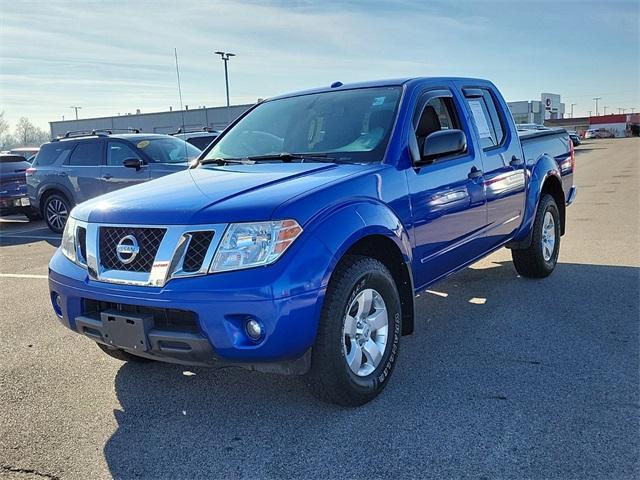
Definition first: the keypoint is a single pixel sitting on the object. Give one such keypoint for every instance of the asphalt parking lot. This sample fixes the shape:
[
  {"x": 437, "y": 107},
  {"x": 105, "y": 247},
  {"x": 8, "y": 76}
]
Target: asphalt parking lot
[{"x": 505, "y": 377}]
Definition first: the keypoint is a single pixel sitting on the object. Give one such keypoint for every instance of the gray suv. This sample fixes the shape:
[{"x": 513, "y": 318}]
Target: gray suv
[{"x": 82, "y": 165}]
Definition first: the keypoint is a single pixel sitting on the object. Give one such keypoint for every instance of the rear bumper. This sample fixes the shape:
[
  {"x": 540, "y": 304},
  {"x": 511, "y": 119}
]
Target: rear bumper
[{"x": 289, "y": 323}]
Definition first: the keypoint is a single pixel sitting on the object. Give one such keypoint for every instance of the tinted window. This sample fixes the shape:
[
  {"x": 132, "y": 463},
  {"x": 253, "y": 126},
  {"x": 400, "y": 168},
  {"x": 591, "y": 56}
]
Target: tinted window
[
  {"x": 201, "y": 142},
  {"x": 487, "y": 120},
  {"x": 86, "y": 154},
  {"x": 54, "y": 152},
  {"x": 118, "y": 152},
  {"x": 168, "y": 149},
  {"x": 11, "y": 158},
  {"x": 355, "y": 123}
]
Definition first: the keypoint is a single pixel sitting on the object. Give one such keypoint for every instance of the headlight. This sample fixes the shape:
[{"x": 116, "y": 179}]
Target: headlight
[
  {"x": 68, "y": 244},
  {"x": 246, "y": 245}
]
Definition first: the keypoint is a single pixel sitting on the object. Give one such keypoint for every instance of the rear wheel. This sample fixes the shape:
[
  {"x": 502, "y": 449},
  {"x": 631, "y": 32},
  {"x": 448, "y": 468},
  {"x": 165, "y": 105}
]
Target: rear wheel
[
  {"x": 55, "y": 211},
  {"x": 120, "y": 354},
  {"x": 358, "y": 337},
  {"x": 540, "y": 259}
]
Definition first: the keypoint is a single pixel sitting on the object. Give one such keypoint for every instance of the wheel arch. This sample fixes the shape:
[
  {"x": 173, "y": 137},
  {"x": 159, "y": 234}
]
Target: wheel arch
[
  {"x": 371, "y": 229},
  {"x": 544, "y": 178},
  {"x": 51, "y": 190}
]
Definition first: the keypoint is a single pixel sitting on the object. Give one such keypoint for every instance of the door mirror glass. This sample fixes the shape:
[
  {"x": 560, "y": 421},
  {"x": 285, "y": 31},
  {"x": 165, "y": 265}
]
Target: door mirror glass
[
  {"x": 133, "y": 163},
  {"x": 442, "y": 143}
]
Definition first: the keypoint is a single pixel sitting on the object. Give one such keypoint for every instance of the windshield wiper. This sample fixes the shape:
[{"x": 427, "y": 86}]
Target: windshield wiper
[
  {"x": 225, "y": 161},
  {"x": 287, "y": 156},
  {"x": 284, "y": 157}
]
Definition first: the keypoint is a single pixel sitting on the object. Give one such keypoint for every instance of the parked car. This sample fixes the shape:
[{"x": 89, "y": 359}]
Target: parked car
[
  {"x": 83, "y": 165},
  {"x": 13, "y": 187},
  {"x": 26, "y": 152},
  {"x": 199, "y": 138},
  {"x": 598, "y": 133},
  {"x": 575, "y": 138},
  {"x": 298, "y": 241}
]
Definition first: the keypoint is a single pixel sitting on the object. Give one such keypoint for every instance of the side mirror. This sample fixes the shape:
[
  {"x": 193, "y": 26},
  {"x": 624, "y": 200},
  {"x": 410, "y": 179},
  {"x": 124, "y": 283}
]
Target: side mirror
[
  {"x": 133, "y": 163},
  {"x": 443, "y": 142}
]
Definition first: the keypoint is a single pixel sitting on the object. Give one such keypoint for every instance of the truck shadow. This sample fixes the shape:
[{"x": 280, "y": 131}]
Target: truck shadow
[{"x": 495, "y": 358}]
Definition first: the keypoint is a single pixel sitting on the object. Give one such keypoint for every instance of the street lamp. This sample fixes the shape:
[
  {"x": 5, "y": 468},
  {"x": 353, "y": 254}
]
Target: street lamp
[
  {"x": 572, "y": 105},
  {"x": 225, "y": 58},
  {"x": 596, "y": 99},
  {"x": 76, "y": 108}
]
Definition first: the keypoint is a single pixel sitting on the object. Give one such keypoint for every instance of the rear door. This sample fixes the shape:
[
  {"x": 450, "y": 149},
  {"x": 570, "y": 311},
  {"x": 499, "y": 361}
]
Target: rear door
[
  {"x": 114, "y": 174},
  {"x": 81, "y": 174},
  {"x": 447, "y": 194},
  {"x": 502, "y": 162}
]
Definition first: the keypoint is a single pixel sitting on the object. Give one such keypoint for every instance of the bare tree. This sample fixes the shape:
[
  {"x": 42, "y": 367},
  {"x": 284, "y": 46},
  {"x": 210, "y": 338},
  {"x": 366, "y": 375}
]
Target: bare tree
[
  {"x": 27, "y": 134},
  {"x": 5, "y": 137}
]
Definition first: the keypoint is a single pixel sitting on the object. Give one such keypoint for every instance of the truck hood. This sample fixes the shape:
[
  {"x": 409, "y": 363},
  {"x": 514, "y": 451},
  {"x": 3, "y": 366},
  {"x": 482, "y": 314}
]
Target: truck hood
[{"x": 212, "y": 194}]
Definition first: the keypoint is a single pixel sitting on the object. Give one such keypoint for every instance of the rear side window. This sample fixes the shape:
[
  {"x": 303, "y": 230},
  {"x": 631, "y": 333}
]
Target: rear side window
[
  {"x": 487, "y": 120},
  {"x": 53, "y": 153},
  {"x": 86, "y": 154}
]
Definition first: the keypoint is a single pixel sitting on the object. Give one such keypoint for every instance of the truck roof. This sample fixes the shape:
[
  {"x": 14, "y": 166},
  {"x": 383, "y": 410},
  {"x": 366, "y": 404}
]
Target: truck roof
[{"x": 375, "y": 83}]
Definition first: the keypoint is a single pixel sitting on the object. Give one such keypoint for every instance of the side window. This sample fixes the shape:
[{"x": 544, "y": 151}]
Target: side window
[
  {"x": 118, "y": 152},
  {"x": 86, "y": 154},
  {"x": 487, "y": 120},
  {"x": 53, "y": 153},
  {"x": 438, "y": 113}
]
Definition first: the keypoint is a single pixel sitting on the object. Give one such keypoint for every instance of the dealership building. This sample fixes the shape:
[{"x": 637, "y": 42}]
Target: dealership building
[
  {"x": 216, "y": 118},
  {"x": 537, "y": 111}
]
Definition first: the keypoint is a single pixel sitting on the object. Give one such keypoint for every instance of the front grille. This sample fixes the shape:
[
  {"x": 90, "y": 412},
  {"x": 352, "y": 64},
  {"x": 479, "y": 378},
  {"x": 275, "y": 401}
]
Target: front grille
[
  {"x": 148, "y": 240},
  {"x": 196, "y": 251},
  {"x": 163, "y": 318}
]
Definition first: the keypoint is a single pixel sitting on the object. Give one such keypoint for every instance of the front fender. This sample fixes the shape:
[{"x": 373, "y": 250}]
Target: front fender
[
  {"x": 355, "y": 221},
  {"x": 544, "y": 168}
]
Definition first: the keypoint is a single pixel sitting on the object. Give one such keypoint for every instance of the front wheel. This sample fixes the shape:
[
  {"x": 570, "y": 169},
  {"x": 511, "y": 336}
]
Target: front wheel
[
  {"x": 359, "y": 333},
  {"x": 540, "y": 259}
]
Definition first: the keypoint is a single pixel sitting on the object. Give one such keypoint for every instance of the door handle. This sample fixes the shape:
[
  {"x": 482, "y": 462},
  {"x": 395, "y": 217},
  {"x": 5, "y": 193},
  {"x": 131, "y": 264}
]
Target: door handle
[
  {"x": 107, "y": 176},
  {"x": 516, "y": 162},
  {"x": 475, "y": 173}
]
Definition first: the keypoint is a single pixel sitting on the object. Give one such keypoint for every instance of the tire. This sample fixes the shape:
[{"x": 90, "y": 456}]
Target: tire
[
  {"x": 122, "y": 355},
  {"x": 540, "y": 259},
  {"x": 358, "y": 281},
  {"x": 55, "y": 211}
]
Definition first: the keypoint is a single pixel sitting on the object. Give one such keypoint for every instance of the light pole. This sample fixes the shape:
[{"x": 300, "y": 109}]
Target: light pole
[
  {"x": 76, "y": 109},
  {"x": 572, "y": 105},
  {"x": 632, "y": 109},
  {"x": 590, "y": 111},
  {"x": 596, "y": 99},
  {"x": 604, "y": 109},
  {"x": 225, "y": 58}
]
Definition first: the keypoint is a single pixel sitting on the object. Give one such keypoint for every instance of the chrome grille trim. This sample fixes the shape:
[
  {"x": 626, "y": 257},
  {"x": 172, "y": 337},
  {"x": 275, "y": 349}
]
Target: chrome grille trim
[{"x": 169, "y": 259}]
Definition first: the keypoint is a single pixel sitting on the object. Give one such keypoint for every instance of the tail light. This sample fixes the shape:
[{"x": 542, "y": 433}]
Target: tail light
[
  {"x": 572, "y": 154},
  {"x": 30, "y": 171}
]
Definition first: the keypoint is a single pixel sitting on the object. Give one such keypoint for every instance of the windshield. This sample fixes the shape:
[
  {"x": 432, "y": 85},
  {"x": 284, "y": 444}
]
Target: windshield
[
  {"x": 350, "y": 125},
  {"x": 168, "y": 149}
]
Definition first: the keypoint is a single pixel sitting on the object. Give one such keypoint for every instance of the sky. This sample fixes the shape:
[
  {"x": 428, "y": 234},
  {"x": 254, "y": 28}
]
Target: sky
[{"x": 112, "y": 57}]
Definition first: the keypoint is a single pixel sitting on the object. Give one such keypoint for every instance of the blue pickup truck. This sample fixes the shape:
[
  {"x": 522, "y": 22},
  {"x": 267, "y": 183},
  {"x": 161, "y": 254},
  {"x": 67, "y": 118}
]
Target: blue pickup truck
[{"x": 297, "y": 242}]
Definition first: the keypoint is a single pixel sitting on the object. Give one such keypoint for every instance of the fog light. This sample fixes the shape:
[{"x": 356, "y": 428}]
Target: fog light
[
  {"x": 253, "y": 329},
  {"x": 56, "y": 300}
]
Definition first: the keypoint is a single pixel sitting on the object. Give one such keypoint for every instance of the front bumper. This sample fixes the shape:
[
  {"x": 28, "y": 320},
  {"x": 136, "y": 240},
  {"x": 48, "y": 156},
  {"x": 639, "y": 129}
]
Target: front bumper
[
  {"x": 219, "y": 303},
  {"x": 573, "y": 191}
]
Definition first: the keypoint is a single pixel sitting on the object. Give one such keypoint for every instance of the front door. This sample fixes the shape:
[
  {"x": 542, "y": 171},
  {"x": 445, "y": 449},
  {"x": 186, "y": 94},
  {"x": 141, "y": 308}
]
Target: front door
[
  {"x": 447, "y": 195},
  {"x": 114, "y": 174}
]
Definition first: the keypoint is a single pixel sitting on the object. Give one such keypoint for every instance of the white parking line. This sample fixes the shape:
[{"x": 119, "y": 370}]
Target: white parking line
[{"x": 22, "y": 275}]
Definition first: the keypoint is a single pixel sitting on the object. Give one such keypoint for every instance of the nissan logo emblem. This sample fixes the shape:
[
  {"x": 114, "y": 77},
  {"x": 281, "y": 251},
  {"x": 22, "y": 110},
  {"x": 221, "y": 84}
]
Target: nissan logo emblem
[{"x": 127, "y": 249}]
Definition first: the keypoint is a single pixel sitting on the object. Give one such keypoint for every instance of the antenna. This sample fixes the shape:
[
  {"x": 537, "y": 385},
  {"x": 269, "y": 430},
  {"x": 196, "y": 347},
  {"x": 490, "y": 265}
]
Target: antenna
[{"x": 175, "y": 51}]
